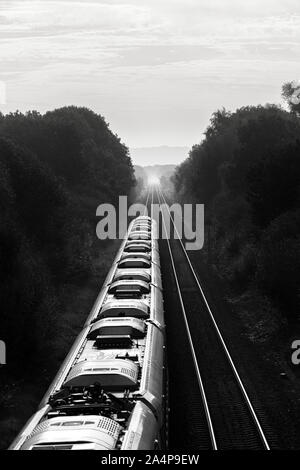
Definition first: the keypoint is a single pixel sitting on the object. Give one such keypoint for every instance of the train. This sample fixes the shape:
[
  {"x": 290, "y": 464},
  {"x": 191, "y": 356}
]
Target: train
[{"x": 110, "y": 392}]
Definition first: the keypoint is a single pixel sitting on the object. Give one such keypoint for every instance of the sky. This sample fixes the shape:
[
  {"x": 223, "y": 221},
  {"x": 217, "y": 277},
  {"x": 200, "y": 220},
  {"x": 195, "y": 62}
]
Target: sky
[{"x": 155, "y": 69}]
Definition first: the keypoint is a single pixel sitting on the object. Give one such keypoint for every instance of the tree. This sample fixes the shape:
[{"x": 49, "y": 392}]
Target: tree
[
  {"x": 291, "y": 94},
  {"x": 247, "y": 172},
  {"x": 55, "y": 169}
]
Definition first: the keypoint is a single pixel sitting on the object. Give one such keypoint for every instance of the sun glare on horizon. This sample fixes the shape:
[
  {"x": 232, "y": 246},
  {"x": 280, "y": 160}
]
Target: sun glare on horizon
[{"x": 153, "y": 181}]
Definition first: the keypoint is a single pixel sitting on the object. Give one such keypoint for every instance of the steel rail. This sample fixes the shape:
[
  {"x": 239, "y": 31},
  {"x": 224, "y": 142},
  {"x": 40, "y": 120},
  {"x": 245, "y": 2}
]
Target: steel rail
[
  {"x": 228, "y": 355},
  {"x": 197, "y": 370}
]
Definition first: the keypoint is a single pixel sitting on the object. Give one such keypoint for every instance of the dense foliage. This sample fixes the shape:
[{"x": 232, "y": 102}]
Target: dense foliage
[
  {"x": 54, "y": 171},
  {"x": 247, "y": 173}
]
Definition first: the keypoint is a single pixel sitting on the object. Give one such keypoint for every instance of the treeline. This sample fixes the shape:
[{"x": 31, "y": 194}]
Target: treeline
[
  {"x": 247, "y": 173},
  {"x": 54, "y": 171}
]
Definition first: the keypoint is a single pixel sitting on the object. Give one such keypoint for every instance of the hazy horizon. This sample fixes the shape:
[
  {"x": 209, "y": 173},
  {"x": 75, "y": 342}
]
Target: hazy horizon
[
  {"x": 158, "y": 155},
  {"x": 156, "y": 70}
]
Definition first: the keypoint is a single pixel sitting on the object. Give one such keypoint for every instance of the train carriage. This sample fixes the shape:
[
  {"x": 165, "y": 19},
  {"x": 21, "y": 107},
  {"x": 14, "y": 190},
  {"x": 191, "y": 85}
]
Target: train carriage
[{"x": 109, "y": 392}]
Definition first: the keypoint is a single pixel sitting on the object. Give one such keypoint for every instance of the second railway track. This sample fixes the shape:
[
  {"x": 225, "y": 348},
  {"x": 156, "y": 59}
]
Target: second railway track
[{"x": 218, "y": 413}]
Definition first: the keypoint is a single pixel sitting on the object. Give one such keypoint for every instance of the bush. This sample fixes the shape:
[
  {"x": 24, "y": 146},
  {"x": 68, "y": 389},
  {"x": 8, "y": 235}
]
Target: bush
[
  {"x": 54, "y": 171},
  {"x": 278, "y": 262},
  {"x": 247, "y": 172}
]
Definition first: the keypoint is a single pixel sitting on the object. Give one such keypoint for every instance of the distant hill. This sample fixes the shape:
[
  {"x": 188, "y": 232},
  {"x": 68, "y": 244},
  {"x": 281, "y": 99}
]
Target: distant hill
[
  {"x": 159, "y": 155},
  {"x": 153, "y": 171}
]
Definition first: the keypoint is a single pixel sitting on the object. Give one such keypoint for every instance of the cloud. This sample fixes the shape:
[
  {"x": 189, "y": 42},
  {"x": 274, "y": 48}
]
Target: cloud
[
  {"x": 155, "y": 68},
  {"x": 154, "y": 55},
  {"x": 55, "y": 18}
]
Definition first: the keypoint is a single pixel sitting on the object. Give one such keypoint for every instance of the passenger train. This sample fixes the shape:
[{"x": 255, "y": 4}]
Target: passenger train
[{"x": 109, "y": 392}]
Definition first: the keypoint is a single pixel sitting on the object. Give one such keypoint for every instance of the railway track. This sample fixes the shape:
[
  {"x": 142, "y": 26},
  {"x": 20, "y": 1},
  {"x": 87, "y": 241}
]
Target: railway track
[{"x": 215, "y": 411}]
